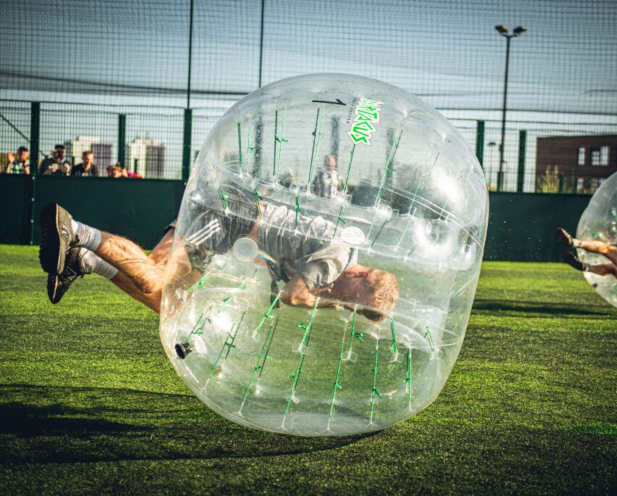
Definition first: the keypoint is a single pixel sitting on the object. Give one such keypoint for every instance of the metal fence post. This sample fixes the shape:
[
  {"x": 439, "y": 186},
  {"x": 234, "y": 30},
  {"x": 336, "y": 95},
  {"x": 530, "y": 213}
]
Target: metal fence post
[
  {"x": 122, "y": 140},
  {"x": 261, "y": 43},
  {"x": 35, "y": 136},
  {"x": 186, "y": 149},
  {"x": 522, "y": 146},
  {"x": 334, "y": 137},
  {"x": 35, "y": 129},
  {"x": 480, "y": 142}
]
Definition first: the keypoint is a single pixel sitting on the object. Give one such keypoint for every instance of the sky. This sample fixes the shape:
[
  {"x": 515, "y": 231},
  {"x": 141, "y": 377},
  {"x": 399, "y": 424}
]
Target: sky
[{"x": 123, "y": 52}]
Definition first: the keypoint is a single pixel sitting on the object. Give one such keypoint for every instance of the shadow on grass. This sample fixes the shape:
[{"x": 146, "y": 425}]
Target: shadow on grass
[
  {"x": 534, "y": 307},
  {"x": 30, "y": 421},
  {"x": 66, "y": 425}
]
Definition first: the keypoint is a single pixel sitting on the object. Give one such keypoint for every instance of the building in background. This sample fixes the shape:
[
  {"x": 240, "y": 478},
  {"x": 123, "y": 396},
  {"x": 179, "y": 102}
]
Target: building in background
[
  {"x": 574, "y": 164},
  {"x": 76, "y": 148},
  {"x": 102, "y": 156},
  {"x": 147, "y": 158}
]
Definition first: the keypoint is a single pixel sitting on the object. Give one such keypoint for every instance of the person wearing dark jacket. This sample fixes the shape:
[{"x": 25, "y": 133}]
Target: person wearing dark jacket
[{"x": 87, "y": 167}]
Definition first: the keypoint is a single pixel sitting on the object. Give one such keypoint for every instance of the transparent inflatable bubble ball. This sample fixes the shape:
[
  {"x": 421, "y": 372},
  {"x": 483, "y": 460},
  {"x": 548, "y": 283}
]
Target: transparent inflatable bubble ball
[
  {"x": 325, "y": 259},
  {"x": 599, "y": 223}
]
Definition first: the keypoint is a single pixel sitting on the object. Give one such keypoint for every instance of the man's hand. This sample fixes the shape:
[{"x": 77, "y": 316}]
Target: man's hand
[
  {"x": 296, "y": 293},
  {"x": 12, "y": 157}
]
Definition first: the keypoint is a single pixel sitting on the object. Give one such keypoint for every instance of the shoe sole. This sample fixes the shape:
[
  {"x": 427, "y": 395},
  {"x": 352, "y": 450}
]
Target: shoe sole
[
  {"x": 52, "y": 288},
  {"x": 562, "y": 237},
  {"x": 573, "y": 262},
  {"x": 51, "y": 255}
]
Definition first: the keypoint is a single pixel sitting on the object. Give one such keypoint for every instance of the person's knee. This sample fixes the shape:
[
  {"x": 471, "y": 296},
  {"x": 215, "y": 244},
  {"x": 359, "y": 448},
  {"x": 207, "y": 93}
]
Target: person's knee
[
  {"x": 604, "y": 249},
  {"x": 160, "y": 253}
]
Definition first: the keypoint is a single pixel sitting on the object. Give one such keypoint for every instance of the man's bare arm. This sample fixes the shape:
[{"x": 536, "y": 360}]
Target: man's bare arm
[{"x": 297, "y": 294}]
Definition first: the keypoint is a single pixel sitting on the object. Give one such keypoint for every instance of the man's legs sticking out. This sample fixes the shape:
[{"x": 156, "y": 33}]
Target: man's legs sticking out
[
  {"x": 609, "y": 251},
  {"x": 118, "y": 259},
  {"x": 599, "y": 269},
  {"x": 159, "y": 257},
  {"x": 600, "y": 247}
]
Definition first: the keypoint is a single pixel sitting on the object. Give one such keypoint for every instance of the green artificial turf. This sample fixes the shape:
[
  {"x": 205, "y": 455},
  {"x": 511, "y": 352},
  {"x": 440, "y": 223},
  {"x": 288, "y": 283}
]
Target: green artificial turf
[{"x": 90, "y": 403}]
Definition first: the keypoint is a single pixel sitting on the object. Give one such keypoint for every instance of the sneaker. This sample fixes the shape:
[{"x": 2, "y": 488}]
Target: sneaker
[
  {"x": 56, "y": 238},
  {"x": 58, "y": 285},
  {"x": 562, "y": 236},
  {"x": 572, "y": 260}
]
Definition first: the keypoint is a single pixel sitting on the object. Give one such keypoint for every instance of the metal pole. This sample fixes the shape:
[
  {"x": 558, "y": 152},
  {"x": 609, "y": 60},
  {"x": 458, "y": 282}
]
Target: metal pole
[
  {"x": 122, "y": 140},
  {"x": 334, "y": 136},
  {"x": 261, "y": 42},
  {"x": 259, "y": 136},
  {"x": 503, "y": 118},
  {"x": 188, "y": 113},
  {"x": 480, "y": 142},
  {"x": 522, "y": 145},
  {"x": 35, "y": 131},
  {"x": 188, "y": 133},
  {"x": 188, "y": 83}
]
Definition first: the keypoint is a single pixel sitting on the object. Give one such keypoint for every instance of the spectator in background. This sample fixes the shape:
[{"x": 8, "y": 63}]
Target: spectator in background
[
  {"x": 57, "y": 164},
  {"x": 18, "y": 164},
  {"x": 87, "y": 167},
  {"x": 328, "y": 182},
  {"x": 116, "y": 171}
]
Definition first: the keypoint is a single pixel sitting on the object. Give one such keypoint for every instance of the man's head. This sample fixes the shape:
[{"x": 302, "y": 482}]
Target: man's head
[
  {"x": 372, "y": 288},
  {"x": 87, "y": 159},
  {"x": 59, "y": 151},
  {"x": 330, "y": 162},
  {"x": 23, "y": 154},
  {"x": 114, "y": 171}
]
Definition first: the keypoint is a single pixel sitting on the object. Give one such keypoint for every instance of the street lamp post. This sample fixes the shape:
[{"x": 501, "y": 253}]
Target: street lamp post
[{"x": 503, "y": 31}]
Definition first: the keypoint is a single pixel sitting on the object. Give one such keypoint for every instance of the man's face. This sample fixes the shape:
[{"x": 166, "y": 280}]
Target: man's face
[
  {"x": 88, "y": 159},
  {"x": 331, "y": 163},
  {"x": 60, "y": 153},
  {"x": 353, "y": 287},
  {"x": 23, "y": 155}
]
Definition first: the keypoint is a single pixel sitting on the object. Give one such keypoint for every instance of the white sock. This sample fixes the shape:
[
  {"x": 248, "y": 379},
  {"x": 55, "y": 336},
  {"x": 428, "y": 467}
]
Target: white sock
[
  {"x": 91, "y": 263},
  {"x": 89, "y": 237}
]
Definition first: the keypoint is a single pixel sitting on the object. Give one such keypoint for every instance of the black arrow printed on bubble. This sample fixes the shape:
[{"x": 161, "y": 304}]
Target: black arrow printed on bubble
[{"x": 337, "y": 102}]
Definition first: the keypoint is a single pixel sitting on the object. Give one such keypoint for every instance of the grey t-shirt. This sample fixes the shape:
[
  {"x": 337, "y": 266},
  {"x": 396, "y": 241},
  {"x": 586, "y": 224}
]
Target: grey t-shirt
[{"x": 308, "y": 247}]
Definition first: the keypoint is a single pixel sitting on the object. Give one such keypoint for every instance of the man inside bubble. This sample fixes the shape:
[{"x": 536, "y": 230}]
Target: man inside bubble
[
  {"x": 314, "y": 271},
  {"x": 606, "y": 249}
]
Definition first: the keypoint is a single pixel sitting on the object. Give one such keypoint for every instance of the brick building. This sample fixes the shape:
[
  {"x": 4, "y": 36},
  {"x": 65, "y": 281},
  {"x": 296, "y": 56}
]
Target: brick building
[{"x": 574, "y": 164}]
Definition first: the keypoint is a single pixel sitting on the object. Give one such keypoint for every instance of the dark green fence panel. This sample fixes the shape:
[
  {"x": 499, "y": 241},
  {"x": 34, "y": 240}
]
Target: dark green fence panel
[
  {"x": 15, "y": 204},
  {"x": 520, "y": 229},
  {"x": 521, "y": 225},
  {"x": 138, "y": 209}
]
